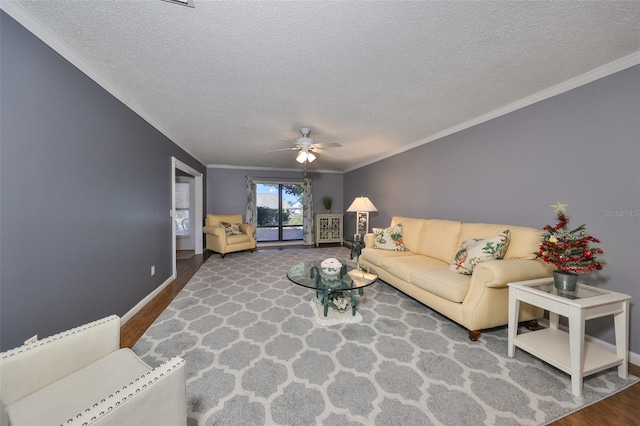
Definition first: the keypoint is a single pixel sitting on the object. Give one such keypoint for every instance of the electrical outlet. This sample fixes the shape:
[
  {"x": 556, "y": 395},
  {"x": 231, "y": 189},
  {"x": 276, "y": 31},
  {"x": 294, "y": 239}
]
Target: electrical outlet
[
  {"x": 153, "y": 270},
  {"x": 31, "y": 340}
]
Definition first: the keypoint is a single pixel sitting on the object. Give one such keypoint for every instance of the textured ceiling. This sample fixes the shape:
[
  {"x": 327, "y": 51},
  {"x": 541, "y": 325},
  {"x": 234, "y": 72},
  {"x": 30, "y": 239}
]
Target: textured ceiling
[{"x": 227, "y": 80}]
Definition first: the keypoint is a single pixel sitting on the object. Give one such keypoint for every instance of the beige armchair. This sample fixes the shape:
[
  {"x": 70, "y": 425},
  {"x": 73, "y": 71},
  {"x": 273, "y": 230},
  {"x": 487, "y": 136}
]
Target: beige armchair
[
  {"x": 82, "y": 377},
  {"x": 228, "y": 240}
]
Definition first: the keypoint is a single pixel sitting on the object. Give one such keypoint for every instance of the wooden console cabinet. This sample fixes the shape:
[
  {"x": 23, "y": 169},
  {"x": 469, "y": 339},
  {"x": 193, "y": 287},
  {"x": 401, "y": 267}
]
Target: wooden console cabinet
[{"x": 328, "y": 228}]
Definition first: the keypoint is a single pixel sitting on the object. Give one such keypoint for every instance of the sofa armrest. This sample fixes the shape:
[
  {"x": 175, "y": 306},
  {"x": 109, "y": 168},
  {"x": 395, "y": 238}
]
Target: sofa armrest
[
  {"x": 28, "y": 368},
  {"x": 498, "y": 273},
  {"x": 369, "y": 241},
  {"x": 247, "y": 228},
  {"x": 159, "y": 397},
  {"x": 214, "y": 230}
]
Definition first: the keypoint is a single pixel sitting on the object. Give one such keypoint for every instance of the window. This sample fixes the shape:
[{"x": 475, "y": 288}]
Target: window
[
  {"x": 279, "y": 208},
  {"x": 182, "y": 208}
]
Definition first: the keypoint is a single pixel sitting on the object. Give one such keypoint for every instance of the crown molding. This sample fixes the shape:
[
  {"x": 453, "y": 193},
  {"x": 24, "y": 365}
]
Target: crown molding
[
  {"x": 277, "y": 169},
  {"x": 18, "y": 12},
  {"x": 588, "y": 77}
]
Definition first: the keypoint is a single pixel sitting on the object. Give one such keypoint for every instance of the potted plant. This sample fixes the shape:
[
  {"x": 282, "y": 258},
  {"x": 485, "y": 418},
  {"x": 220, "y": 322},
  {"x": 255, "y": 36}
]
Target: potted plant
[
  {"x": 327, "y": 202},
  {"x": 568, "y": 250}
]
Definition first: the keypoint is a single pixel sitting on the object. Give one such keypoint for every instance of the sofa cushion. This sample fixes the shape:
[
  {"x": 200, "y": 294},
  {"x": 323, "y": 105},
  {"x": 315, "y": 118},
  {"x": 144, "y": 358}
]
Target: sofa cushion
[
  {"x": 230, "y": 228},
  {"x": 389, "y": 238},
  {"x": 411, "y": 231},
  {"x": 98, "y": 380},
  {"x": 442, "y": 282},
  {"x": 439, "y": 239},
  {"x": 475, "y": 250},
  {"x": 375, "y": 256},
  {"x": 237, "y": 239},
  {"x": 524, "y": 240},
  {"x": 402, "y": 267}
]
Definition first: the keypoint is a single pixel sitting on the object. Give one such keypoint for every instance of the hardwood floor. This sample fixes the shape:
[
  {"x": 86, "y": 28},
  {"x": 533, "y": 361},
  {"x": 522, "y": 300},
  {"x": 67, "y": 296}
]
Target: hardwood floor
[
  {"x": 620, "y": 409},
  {"x": 133, "y": 329}
]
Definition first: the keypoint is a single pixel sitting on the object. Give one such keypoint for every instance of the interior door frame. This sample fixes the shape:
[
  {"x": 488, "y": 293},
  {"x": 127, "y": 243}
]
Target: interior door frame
[{"x": 199, "y": 205}]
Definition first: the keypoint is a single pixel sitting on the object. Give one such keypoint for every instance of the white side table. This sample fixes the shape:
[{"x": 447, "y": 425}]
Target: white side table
[{"x": 568, "y": 351}]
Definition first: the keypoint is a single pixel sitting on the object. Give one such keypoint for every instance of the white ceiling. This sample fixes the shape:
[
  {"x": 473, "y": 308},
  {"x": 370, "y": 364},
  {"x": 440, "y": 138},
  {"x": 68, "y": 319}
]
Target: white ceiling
[{"x": 227, "y": 80}]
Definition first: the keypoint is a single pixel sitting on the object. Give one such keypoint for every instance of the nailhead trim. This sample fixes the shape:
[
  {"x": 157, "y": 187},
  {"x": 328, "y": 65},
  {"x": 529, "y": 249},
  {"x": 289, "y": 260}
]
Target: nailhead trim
[
  {"x": 157, "y": 373},
  {"x": 55, "y": 337}
]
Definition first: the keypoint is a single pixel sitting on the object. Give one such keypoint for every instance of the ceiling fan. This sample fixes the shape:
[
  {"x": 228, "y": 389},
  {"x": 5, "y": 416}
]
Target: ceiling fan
[{"x": 306, "y": 147}]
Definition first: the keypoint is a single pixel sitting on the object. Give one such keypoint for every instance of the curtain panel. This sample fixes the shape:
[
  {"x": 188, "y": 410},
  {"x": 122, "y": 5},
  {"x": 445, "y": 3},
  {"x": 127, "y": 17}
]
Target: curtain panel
[
  {"x": 251, "y": 215},
  {"x": 307, "y": 214}
]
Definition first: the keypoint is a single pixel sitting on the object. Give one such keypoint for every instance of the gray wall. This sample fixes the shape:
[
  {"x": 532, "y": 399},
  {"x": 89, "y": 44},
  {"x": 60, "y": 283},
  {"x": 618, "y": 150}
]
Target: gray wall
[
  {"x": 226, "y": 188},
  {"x": 85, "y": 195},
  {"x": 581, "y": 148}
]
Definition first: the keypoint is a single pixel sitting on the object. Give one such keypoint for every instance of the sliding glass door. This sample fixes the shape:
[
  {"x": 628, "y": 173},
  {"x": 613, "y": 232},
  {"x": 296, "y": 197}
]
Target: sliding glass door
[{"x": 279, "y": 208}]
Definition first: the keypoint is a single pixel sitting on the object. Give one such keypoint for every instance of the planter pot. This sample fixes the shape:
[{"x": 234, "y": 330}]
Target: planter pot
[{"x": 565, "y": 281}]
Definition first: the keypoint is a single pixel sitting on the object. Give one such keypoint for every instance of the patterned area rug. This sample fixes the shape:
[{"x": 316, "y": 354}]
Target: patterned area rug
[
  {"x": 256, "y": 356},
  {"x": 333, "y": 317}
]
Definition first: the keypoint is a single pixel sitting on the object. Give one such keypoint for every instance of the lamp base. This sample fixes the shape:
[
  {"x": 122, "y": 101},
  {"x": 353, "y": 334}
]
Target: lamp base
[{"x": 362, "y": 222}]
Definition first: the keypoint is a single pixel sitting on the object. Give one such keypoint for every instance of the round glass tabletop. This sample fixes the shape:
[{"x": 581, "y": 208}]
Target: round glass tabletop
[{"x": 309, "y": 274}]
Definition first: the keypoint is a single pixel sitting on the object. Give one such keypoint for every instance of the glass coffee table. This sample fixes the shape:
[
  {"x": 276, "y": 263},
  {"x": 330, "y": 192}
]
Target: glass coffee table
[{"x": 337, "y": 291}]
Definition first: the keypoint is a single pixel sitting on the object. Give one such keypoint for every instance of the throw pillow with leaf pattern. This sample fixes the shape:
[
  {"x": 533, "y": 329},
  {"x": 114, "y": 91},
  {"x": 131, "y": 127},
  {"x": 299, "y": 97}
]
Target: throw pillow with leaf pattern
[
  {"x": 389, "y": 238},
  {"x": 231, "y": 228},
  {"x": 474, "y": 251}
]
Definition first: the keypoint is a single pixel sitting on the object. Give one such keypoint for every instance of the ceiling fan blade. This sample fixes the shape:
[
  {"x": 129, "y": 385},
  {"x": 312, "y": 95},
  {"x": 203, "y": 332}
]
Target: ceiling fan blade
[
  {"x": 293, "y": 148},
  {"x": 327, "y": 145}
]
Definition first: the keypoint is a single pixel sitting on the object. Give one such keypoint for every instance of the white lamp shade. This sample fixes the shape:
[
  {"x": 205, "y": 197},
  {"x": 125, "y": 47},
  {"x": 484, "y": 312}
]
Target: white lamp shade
[{"x": 362, "y": 204}]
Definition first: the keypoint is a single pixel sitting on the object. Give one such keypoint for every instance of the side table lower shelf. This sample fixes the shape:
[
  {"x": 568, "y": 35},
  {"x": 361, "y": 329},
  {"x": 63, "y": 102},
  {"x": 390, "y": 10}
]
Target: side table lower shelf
[{"x": 552, "y": 346}]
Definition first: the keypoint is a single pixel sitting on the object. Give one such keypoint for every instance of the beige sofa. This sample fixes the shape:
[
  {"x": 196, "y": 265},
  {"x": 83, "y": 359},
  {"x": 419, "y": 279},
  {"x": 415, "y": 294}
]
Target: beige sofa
[
  {"x": 476, "y": 301},
  {"x": 220, "y": 241}
]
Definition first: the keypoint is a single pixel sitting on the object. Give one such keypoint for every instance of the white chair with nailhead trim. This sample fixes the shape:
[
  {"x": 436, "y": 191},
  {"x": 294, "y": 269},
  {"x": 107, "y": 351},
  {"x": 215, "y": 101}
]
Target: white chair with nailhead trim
[{"x": 82, "y": 377}]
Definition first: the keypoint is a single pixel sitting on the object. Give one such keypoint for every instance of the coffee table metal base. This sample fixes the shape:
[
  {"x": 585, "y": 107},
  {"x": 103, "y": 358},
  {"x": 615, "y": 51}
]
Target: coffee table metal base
[{"x": 329, "y": 296}]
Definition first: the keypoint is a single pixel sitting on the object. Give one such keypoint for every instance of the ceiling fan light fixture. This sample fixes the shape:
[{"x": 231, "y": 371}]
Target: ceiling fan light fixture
[
  {"x": 305, "y": 156},
  {"x": 306, "y": 147}
]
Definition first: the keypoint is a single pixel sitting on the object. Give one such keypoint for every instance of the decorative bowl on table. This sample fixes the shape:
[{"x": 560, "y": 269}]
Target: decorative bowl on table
[{"x": 331, "y": 267}]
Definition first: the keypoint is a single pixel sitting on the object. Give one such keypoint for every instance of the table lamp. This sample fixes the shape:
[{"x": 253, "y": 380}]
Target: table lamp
[{"x": 362, "y": 206}]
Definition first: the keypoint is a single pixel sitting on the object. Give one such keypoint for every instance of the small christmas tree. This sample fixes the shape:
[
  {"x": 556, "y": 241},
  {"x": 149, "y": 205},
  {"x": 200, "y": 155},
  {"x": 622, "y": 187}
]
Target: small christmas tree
[{"x": 568, "y": 249}]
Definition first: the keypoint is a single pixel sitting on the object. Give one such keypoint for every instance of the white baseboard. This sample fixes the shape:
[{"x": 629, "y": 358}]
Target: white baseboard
[
  {"x": 126, "y": 317},
  {"x": 634, "y": 358}
]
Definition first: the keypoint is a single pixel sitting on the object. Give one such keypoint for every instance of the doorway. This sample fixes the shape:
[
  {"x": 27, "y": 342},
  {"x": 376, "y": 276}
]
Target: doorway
[{"x": 186, "y": 213}]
